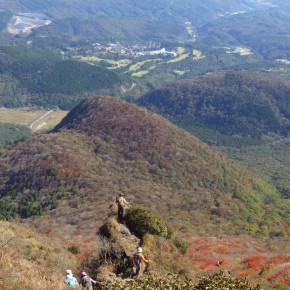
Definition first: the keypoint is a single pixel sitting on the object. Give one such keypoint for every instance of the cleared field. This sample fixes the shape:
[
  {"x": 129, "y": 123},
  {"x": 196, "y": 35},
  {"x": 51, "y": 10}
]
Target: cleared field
[
  {"x": 180, "y": 58},
  {"x": 180, "y": 50},
  {"x": 140, "y": 73},
  {"x": 197, "y": 54},
  {"x": 116, "y": 63},
  {"x": 243, "y": 51},
  {"x": 138, "y": 65},
  {"x": 22, "y": 117},
  {"x": 40, "y": 120},
  {"x": 180, "y": 72},
  {"x": 49, "y": 121}
]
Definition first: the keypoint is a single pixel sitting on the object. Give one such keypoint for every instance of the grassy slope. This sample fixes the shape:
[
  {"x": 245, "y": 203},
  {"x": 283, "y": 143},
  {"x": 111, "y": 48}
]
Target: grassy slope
[
  {"x": 270, "y": 160},
  {"x": 85, "y": 166},
  {"x": 262, "y": 262},
  {"x": 22, "y": 117},
  {"x": 209, "y": 106},
  {"x": 29, "y": 261}
]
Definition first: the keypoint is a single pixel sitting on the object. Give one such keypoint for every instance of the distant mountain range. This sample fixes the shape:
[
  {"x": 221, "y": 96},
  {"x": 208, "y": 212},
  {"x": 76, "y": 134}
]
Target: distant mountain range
[
  {"x": 257, "y": 24},
  {"x": 106, "y": 145},
  {"x": 135, "y": 8}
]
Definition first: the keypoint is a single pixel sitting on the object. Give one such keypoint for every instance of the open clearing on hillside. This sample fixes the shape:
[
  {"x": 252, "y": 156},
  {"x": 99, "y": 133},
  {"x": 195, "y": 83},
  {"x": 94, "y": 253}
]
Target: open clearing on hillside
[
  {"x": 197, "y": 54},
  {"x": 179, "y": 72},
  {"x": 115, "y": 63},
  {"x": 25, "y": 22},
  {"x": 242, "y": 51},
  {"x": 180, "y": 58},
  {"x": 180, "y": 50},
  {"x": 138, "y": 65},
  {"x": 40, "y": 120},
  {"x": 140, "y": 73}
]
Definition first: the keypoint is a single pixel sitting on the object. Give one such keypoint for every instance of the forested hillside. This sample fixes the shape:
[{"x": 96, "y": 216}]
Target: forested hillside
[
  {"x": 265, "y": 32},
  {"x": 128, "y": 20},
  {"x": 11, "y": 134},
  {"x": 245, "y": 114},
  {"x": 105, "y": 145},
  {"x": 32, "y": 77},
  {"x": 232, "y": 104},
  {"x": 5, "y": 16}
]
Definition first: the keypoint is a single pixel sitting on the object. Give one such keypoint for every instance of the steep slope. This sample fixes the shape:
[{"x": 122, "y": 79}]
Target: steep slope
[
  {"x": 29, "y": 261},
  {"x": 243, "y": 103},
  {"x": 105, "y": 145}
]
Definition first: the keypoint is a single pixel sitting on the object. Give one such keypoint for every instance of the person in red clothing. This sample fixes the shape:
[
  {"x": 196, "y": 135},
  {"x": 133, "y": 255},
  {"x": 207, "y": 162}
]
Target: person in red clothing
[{"x": 137, "y": 260}]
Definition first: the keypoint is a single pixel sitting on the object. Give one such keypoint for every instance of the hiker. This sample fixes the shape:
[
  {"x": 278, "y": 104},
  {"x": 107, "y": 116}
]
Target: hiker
[
  {"x": 87, "y": 282},
  {"x": 70, "y": 280},
  {"x": 137, "y": 260},
  {"x": 121, "y": 201}
]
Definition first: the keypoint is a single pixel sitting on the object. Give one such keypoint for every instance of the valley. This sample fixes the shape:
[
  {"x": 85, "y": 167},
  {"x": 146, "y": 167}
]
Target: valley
[{"x": 36, "y": 120}]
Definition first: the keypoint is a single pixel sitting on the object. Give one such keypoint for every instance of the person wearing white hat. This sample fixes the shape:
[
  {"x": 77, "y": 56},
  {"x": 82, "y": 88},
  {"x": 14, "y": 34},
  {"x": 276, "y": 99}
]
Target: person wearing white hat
[
  {"x": 70, "y": 280},
  {"x": 137, "y": 260}
]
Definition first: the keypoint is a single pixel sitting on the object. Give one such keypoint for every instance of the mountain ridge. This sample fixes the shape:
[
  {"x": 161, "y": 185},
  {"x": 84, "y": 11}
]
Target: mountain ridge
[{"x": 97, "y": 150}]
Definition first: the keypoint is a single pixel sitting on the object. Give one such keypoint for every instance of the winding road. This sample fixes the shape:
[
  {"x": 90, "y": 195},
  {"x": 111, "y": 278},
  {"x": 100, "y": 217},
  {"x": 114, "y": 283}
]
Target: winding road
[{"x": 40, "y": 118}]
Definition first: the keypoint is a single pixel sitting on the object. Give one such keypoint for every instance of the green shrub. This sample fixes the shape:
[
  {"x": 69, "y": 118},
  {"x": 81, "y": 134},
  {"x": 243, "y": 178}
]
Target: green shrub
[
  {"x": 74, "y": 249},
  {"x": 142, "y": 221},
  {"x": 150, "y": 282},
  {"x": 181, "y": 245},
  {"x": 218, "y": 281},
  {"x": 221, "y": 281},
  {"x": 7, "y": 210}
]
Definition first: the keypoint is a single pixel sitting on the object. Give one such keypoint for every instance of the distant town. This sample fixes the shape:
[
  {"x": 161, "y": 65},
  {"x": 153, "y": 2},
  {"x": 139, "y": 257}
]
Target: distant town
[{"x": 105, "y": 49}]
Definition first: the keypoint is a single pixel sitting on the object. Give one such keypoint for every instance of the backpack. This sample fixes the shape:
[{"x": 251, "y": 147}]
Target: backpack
[
  {"x": 72, "y": 281},
  {"x": 121, "y": 201},
  {"x": 86, "y": 281},
  {"x": 137, "y": 259}
]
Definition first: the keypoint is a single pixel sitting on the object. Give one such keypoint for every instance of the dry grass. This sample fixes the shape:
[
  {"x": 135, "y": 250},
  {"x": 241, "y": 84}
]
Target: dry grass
[
  {"x": 164, "y": 257},
  {"x": 28, "y": 262},
  {"x": 261, "y": 262},
  {"x": 27, "y": 116},
  {"x": 50, "y": 121},
  {"x": 21, "y": 117},
  {"x": 179, "y": 58}
]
